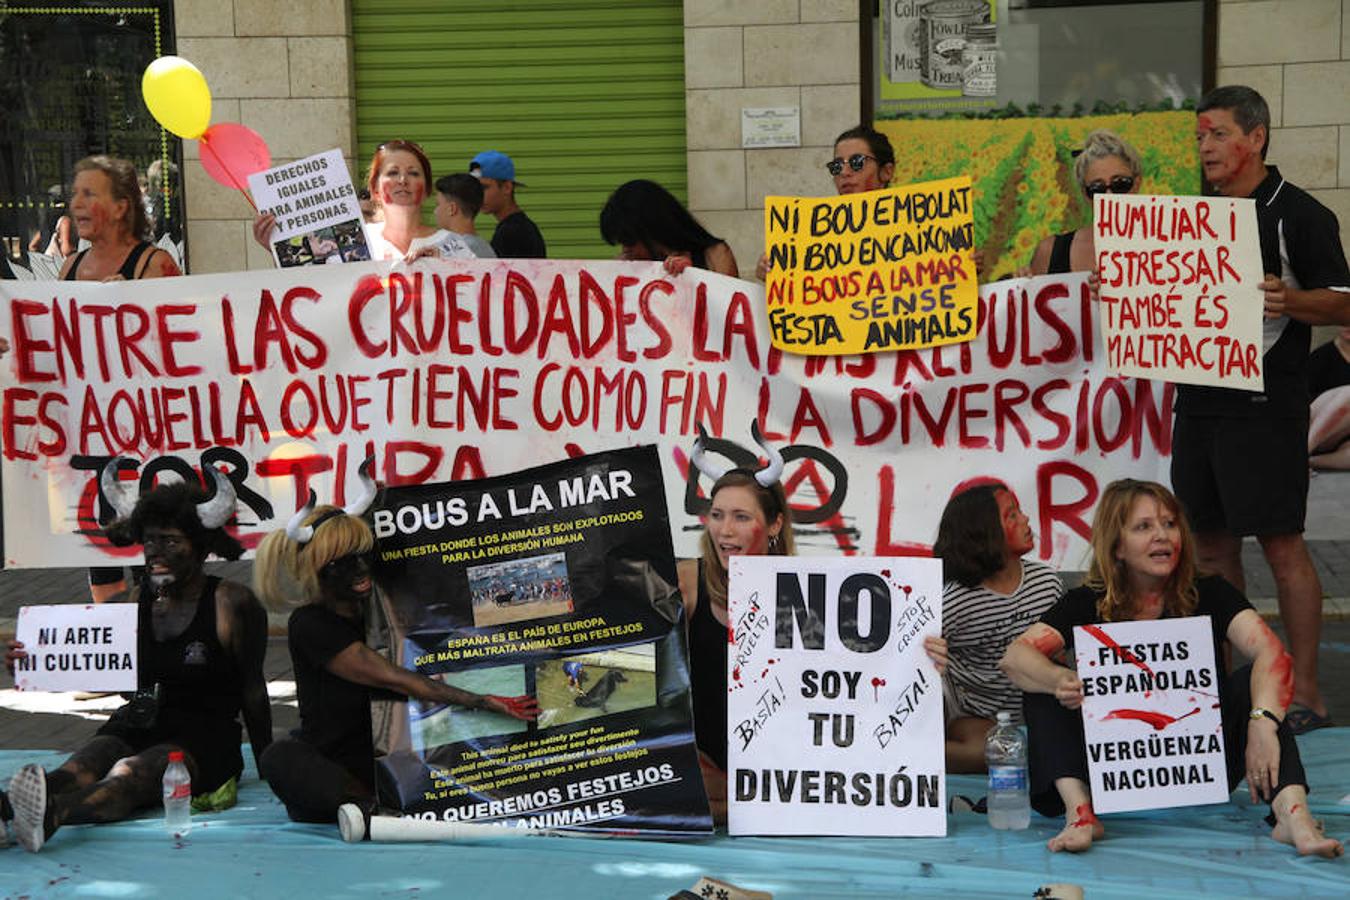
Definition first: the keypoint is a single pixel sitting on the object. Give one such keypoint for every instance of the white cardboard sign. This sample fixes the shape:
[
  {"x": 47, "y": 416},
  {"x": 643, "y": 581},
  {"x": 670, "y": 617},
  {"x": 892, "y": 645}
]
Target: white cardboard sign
[
  {"x": 1180, "y": 288},
  {"x": 77, "y": 648},
  {"x": 834, "y": 709},
  {"x": 318, "y": 217},
  {"x": 1151, "y": 714}
]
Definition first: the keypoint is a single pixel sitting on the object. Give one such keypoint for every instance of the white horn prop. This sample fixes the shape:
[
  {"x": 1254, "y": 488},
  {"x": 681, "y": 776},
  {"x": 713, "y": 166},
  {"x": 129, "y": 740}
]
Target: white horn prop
[
  {"x": 697, "y": 460},
  {"x": 369, "y": 489},
  {"x": 770, "y": 474},
  {"x": 217, "y": 511},
  {"x": 296, "y": 529},
  {"x": 122, "y": 500}
]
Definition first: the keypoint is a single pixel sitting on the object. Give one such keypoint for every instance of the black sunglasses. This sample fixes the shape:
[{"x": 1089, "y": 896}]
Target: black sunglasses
[
  {"x": 855, "y": 162},
  {"x": 1120, "y": 184}
]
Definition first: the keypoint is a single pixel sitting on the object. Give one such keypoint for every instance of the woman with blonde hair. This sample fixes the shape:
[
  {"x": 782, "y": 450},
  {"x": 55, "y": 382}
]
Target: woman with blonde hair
[
  {"x": 1107, "y": 164},
  {"x": 1143, "y": 568},
  {"x": 319, "y": 565}
]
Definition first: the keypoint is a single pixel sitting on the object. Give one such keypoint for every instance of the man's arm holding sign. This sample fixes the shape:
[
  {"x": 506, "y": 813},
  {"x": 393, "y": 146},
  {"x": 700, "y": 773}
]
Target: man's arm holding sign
[{"x": 1318, "y": 306}]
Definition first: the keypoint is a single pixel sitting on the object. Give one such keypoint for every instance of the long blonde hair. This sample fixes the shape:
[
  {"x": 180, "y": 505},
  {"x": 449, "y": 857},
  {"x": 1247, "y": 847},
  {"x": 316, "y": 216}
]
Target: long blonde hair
[
  {"x": 286, "y": 574},
  {"x": 1107, "y": 573},
  {"x": 773, "y": 503}
]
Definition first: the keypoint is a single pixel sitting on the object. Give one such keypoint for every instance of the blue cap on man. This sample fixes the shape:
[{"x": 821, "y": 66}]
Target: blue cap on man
[{"x": 494, "y": 164}]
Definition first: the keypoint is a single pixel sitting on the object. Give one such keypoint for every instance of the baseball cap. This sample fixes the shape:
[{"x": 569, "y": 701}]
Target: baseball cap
[{"x": 494, "y": 164}]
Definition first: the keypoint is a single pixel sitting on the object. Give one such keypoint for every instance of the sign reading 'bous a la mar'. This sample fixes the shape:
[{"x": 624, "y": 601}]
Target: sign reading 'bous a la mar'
[
  {"x": 1151, "y": 716},
  {"x": 883, "y": 270},
  {"x": 1180, "y": 288},
  {"x": 834, "y": 710}
]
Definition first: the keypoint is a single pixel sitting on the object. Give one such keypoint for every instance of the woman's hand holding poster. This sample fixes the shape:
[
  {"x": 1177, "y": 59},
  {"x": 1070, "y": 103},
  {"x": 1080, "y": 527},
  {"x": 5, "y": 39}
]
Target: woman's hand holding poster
[{"x": 834, "y": 709}]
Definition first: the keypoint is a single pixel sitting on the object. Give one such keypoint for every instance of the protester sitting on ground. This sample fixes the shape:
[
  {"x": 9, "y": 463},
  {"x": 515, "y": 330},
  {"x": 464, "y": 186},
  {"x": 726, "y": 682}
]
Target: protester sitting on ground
[
  {"x": 459, "y": 197},
  {"x": 1329, "y": 390},
  {"x": 991, "y": 596},
  {"x": 516, "y": 236},
  {"x": 647, "y": 222},
  {"x": 1106, "y": 164},
  {"x": 398, "y": 181},
  {"x": 200, "y": 656},
  {"x": 1144, "y": 568},
  {"x": 748, "y": 515},
  {"x": 319, "y": 565},
  {"x": 108, "y": 211}
]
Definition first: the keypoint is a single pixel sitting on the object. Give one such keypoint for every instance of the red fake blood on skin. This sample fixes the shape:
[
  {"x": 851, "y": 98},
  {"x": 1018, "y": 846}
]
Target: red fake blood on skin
[
  {"x": 1047, "y": 643},
  {"x": 876, "y": 684},
  {"x": 386, "y": 197},
  {"x": 1086, "y": 817},
  {"x": 1158, "y": 720},
  {"x": 1120, "y": 651}
]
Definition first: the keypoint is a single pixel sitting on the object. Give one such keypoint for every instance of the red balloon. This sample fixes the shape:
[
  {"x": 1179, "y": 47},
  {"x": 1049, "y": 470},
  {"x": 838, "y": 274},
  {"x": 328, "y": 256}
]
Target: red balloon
[{"x": 232, "y": 152}]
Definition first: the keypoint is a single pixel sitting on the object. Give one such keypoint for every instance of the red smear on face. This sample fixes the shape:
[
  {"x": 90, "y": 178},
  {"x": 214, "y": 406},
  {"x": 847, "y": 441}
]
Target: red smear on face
[
  {"x": 1205, "y": 122},
  {"x": 1086, "y": 817},
  {"x": 385, "y": 197},
  {"x": 1158, "y": 720},
  {"x": 419, "y": 192},
  {"x": 1120, "y": 651}
]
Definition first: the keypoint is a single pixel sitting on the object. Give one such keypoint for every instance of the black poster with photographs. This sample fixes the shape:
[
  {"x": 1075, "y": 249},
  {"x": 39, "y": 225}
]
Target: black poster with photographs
[{"x": 558, "y": 584}]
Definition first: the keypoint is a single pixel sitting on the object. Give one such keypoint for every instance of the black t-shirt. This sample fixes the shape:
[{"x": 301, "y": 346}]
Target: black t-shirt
[
  {"x": 1300, "y": 242},
  {"x": 1327, "y": 369},
  {"x": 334, "y": 712},
  {"x": 1217, "y": 599},
  {"x": 517, "y": 237}
]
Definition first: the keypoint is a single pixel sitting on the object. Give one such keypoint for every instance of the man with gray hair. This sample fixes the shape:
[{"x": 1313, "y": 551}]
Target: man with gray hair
[{"x": 1240, "y": 458}]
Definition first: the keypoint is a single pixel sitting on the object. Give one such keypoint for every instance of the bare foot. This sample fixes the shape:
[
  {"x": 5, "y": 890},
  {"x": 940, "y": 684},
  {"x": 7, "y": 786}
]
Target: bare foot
[
  {"x": 1300, "y": 830},
  {"x": 1079, "y": 833}
]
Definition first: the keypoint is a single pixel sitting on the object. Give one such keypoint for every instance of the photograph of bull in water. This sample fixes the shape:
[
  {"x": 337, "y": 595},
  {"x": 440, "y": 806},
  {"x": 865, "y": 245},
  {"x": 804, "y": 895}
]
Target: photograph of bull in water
[
  {"x": 587, "y": 685},
  {"x": 520, "y": 589}
]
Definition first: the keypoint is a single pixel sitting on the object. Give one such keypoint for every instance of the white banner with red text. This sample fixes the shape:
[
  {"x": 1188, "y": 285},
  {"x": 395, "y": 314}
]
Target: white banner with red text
[{"x": 446, "y": 370}]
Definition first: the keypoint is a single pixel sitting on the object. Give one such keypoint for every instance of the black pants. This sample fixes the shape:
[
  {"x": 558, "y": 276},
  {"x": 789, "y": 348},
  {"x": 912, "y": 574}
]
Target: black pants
[
  {"x": 1056, "y": 747},
  {"x": 309, "y": 784}
]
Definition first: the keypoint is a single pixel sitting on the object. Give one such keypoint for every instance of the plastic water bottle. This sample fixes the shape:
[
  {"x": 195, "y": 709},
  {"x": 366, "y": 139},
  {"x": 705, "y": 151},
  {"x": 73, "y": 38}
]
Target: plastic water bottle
[
  {"x": 177, "y": 795},
  {"x": 1005, "y": 751}
]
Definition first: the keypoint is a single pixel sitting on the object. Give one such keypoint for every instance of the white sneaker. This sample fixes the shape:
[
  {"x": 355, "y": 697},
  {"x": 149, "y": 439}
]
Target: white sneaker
[{"x": 28, "y": 796}]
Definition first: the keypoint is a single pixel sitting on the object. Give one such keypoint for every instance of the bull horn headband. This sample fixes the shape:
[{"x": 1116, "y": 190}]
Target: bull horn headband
[
  {"x": 302, "y": 534},
  {"x": 212, "y": 513},
  {"x": 766, "y": 476}
]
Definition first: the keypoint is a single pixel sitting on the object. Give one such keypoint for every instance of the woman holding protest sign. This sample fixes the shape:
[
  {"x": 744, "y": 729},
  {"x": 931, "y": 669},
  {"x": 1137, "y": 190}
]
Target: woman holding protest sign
[
  {"x": 748, "y": 514},
  {"x": 399, "y": 180},
  {"x": 863, "y": 161},
  {"x": 647, "y": 222},
  {"x": 1143, "y": 568},
  {"x": 319, "y": 565},
  {"x": 1107, "y": 164},
  {"x": 991, "y": 596}
]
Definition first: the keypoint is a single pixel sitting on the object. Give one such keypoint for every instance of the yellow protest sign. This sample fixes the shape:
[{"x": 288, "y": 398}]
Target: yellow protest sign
[{"x": 862, "y": 273}]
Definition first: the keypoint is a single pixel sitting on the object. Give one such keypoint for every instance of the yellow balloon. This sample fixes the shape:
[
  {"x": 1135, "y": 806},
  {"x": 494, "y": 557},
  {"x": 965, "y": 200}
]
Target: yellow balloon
[{"x": 176, "y": 94}]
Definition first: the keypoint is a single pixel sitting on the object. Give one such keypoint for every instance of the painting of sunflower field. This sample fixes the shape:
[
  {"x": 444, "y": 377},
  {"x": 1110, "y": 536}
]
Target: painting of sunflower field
[{"x": 1022, "y": 169}]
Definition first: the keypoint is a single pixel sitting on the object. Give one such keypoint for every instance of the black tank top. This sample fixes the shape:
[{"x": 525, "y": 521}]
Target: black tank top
[
  {"x": 128, "y": 269},
  {"x": 198, "y": 679},
  {"x": 1059, "y": 254},
  {"x": 708, "y": 677}
]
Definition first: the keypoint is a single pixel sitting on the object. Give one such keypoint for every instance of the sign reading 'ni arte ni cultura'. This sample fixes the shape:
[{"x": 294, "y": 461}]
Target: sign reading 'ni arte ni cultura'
[
  {"x": 834, "y": 709},
  {"x": 77, "y": 648}
]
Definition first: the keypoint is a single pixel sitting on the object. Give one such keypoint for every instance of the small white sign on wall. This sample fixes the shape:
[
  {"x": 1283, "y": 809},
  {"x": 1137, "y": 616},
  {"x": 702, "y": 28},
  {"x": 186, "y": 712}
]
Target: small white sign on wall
[{"x": 771, "y": 126}]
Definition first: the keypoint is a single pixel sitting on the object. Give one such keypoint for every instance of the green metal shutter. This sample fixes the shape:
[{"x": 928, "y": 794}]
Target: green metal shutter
[{"x": 583, "y": 95}]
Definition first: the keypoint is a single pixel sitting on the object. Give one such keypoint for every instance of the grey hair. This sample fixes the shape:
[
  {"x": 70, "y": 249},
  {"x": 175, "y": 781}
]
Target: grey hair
[{"x": 1102, "y": 144}]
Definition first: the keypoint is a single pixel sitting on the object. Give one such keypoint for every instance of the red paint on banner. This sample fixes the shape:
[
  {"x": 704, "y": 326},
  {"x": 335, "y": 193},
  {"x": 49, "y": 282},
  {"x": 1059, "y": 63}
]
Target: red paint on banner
[
  {"x": 1158, "y": 720},
  {"x": 1121, "y": 652}
]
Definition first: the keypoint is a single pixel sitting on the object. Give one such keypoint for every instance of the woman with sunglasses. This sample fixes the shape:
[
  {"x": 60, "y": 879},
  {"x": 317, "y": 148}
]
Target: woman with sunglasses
[
  {"x": 319, "y": 566},
  {"x": 1106, "y": 164},
  {"x": 863, "y": 161},
  {"x": 649, "y": 223},
  {"x": 1143, "y": 568},
  {"x": 399, "y": 180}
]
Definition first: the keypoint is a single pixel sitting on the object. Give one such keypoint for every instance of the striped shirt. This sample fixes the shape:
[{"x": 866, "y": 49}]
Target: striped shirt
[{"x": 979, "y": 624}]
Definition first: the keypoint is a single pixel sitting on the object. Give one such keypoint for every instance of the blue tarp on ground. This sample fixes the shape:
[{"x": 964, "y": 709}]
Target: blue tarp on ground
[{"x": 252, "y": 850}]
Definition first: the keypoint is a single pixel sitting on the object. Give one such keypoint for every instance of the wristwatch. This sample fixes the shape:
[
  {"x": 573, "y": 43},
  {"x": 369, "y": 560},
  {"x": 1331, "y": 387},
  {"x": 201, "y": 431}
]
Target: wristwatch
[{"x": 1260, "y": 712}]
